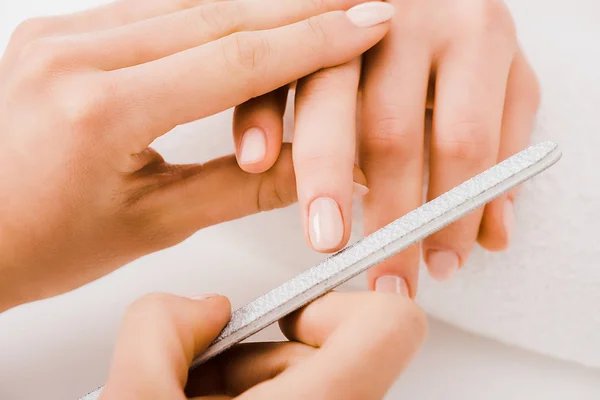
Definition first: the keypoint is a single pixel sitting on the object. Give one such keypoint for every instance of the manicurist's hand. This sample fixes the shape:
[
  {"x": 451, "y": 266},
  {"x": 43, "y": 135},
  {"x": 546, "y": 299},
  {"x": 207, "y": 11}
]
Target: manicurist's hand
[
  {"x": 448, "y": 88},
  {"x": 83, "y": 96},
  {"x": 343, "y": 346}
]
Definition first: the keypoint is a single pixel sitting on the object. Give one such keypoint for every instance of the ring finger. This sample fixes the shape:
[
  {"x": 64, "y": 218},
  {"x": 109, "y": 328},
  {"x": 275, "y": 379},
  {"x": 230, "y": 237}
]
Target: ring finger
[{"x": 469, "y": 101}]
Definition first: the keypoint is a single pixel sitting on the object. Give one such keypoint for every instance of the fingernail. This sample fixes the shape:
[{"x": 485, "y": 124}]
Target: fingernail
[
  {"x": 391, "y": 284},
  {"x": 509, "y": 218},
  {"x": 204, "y": 296},
  {"x": 253, "y": 147},
  {"x": 442, "y": 264},
  {"x": 370, "y": 14},
  {"x": 326, "y": 228},
  {"x": 359, "y": 190}
]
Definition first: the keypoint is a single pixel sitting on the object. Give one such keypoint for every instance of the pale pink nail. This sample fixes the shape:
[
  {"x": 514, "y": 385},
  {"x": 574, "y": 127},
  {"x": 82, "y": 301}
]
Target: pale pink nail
[
  {"x": 359, "y": 190},
  {"x": 253, "y": 148},
  {"x": 204, "y": 296},
  {"x": 391, "y": 284},
  {"x": 326, "y": 228},
  {"x": 509, "y": 218},
  {"x": 370, "y": 14},
  {"x": 442, "y": 264}
]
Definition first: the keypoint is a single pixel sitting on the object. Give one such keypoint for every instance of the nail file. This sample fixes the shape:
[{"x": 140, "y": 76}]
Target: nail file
[{"x": 389, "y": 240}]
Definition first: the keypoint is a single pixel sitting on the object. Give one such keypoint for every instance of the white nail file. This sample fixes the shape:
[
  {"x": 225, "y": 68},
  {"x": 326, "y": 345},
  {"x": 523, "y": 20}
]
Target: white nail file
[{"x": 389, "y": 240}]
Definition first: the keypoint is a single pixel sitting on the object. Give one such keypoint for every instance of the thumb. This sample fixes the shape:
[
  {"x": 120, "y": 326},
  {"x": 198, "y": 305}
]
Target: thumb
[
  {"x": 160, "y": 336},
  {"x": 199, "y": 196}
]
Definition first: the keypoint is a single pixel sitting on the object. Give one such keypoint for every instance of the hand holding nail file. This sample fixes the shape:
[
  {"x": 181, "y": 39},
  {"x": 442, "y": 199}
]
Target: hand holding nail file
[{"x": 391, "y": 239}]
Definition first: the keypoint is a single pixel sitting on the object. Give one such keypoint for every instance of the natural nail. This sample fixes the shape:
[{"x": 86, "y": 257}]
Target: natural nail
[
  {"x": 326, "y": 227},
  {"x": 509, "y": 218},
  {"x": 391, "y": 284},
  {"x": 370, "y": 14},
  {"x": 204, "y": 296},
  {"x": 360, "y": 190},
  {"x": 442, "y": 264},
  {"x": 253, "y": 148}
]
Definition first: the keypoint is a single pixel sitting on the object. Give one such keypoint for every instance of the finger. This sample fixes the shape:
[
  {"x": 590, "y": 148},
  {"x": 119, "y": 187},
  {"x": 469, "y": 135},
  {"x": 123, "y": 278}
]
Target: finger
[
  {"x": 242, "y": 66},
  {"x": 258, "y": 130},
  {"x": 520, "y": 107},
  {"x": 173, "y": 204},
  {"x": 392, "y": 114},
  {"x": 383, "y": 332},
  {"x": 105, "y": 16},
  {"x": 160, "y": 336},
  {"x": 324, "y": 153},
  {"x": 192, "y": 27},
  {"x": 469, "y": 101},
  {"x": 245, "y": 366}
]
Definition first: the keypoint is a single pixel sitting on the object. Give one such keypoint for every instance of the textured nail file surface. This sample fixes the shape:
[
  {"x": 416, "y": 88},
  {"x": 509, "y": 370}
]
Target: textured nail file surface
[{"x": 391, "y": 239}]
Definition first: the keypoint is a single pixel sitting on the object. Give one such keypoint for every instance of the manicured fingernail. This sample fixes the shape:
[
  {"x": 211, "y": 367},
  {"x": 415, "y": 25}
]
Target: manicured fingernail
[
  {"x": 391, "y": 284},
  {"x": 509, "y": 218},
  {"x": 326, "y": 227},
  {"x": 253, "y": 148},
  {"x": 359, "y": 190},
  {"x": 204, "y": 296},
  {"x": 442, "y": 264},
  {"x": 370, "y": 14}
]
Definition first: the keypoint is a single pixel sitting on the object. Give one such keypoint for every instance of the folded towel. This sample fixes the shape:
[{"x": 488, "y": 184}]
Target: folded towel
[{"x": 544, "y": 292}]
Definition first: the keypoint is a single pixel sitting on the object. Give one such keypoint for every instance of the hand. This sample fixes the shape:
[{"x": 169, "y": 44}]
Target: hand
[
  {"x": 343, "y": 346},
  {"x": 83, "y": 96},
  {"x": 448, "y": 88}
]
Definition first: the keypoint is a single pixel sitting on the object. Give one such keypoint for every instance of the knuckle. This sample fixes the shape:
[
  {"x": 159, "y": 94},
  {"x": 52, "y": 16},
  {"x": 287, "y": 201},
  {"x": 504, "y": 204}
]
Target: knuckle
[
  {"x": 319, "y": 160},
  {"x": 273, "y": 194},
  {"x": 277, "y": 188},
  {"x": 29, "y": 30},
  {"x": 395, "y": 136},
  {"x": 245, "y": 52},
  {"x": 156, "y": 307},
  {"x": 81, "y": 110},
  {"x": 328, "y": 80},
  {"x": 317, "y": 31},
  {"x": 318, "y": 5},
  {"x": 399, "y": 319},
  {"x": 489, "y": 16},
  {"x": 41, "y": 58},
  {"x": 219, "y": 17},
  {"x": 467, "y": 141}
]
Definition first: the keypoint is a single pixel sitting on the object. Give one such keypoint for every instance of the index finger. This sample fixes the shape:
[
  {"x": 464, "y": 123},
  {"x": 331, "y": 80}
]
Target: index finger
[
  {"x": 231, "y": 70},
  {"x": 365, "y": 339},
  {"x": 159, "y": 337}
]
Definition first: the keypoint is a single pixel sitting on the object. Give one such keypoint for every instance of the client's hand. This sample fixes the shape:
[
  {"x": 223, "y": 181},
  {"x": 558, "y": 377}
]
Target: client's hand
[
  {"x": 343, "y": 346},
  {"x": 83, "y": 96},
  {"x": 459, "y": 58}
]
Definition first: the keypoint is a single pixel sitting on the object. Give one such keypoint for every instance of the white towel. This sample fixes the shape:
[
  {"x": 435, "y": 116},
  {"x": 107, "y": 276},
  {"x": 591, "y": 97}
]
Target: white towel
[{"x": 544, "y": 293}]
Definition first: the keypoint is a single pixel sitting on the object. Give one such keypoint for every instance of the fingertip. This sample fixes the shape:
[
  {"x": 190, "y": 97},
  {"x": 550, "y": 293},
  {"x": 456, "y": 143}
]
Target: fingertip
[
  {"x": 404, "y": 266},
  {"x": 497, "y": 225},
  {"x": 442, "y": 264},
  {"x": 258, "y": 131},
  {"x": 252, "y": 148}
]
